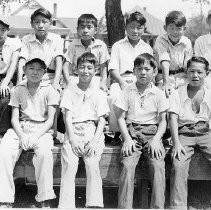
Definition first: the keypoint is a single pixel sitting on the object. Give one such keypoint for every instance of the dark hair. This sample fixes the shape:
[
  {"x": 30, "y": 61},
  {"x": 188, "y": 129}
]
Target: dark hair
[
  {"x": 4, "y": 24},
  {"x": 87, "y": 18},
  {"x": 142, "y": 58},
  {"x": 135, "y": 16},
  {"x": 175, "y": 17},
  {"x": 41, "y": 11},
  {"x": 198, "y": 59},
  {"x": 87, "y": 57},
  {"x": 37, "y": 60}
]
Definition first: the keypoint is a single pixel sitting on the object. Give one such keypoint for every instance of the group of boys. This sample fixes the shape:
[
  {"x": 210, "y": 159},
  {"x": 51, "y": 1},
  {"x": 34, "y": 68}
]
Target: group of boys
[{"x": 135, "y": 106}]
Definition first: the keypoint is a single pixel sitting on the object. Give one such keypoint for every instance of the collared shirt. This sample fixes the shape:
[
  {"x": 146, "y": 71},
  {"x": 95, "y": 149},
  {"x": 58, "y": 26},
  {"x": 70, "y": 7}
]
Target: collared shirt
[
  {"x": 182, "y": 106},
  {"x": 97, "y": 47},
  {"x": 202, "y": 47},
  {"x": 123, "y": 54},
  {"x": 177, "y": 54},
  {"x": 10, "y": 46},
  {"x": 85, "y": 105},
  {"x": 47, "y": 51},
  {"x": 34, "y": 108},
  {"x": 142, "y": 108}
]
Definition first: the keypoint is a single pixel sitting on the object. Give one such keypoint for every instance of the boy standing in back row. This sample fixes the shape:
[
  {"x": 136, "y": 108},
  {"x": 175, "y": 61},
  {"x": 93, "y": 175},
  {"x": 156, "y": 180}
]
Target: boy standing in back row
[
  {"x": 123, "y": 54},
  {"x": 173, "y": 50},
  {"x": 44, "y": 45},
  {"x": 86, "y": 29}
]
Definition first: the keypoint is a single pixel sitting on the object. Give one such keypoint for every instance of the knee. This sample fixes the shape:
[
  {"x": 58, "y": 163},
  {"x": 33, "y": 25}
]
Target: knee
[{"x": 157, "y": 164}]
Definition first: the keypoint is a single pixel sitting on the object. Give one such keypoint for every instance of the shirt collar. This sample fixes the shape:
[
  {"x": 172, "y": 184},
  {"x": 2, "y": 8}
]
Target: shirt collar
[
  {"x": 87, "y": 93},
  {"x": 8, "y": 41},
  {"x": 139, "y": 43},
  {"x": 24, "y": 84},
  {"x": 183, "y": 40},
  {"x": 151, "y": 89},
  {"x": 33, "y": 37},
  {"x": 94, "y": 42},
  {"x": 205, "y": 100}
]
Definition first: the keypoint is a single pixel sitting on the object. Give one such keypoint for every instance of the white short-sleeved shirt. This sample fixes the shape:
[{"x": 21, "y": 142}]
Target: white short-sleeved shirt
[
  {"x": 10, "y": 46},
  {"x": 123, "y": 54},
  {"x": 202, "y": 47},
  {"x": 85, "y": 105},
  {"x": 181, "y": 105},
  {"x": 97, "y": 47},
  {"x": 144, "y": 108},
  {"x": 34, "y": 108},
  {"x": 177, "y": 54},
  {"x": 47, "y": 51}
]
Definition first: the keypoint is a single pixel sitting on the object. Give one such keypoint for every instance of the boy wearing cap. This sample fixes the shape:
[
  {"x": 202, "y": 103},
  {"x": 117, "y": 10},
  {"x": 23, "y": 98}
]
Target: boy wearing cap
[
  {"x": 173, "y": 50},
  {"x": 9, "y": 52},
  {"x": 45, "y": 45},
  {"x": 202, "y": 48},
  {"x": 33, "y": 109}
]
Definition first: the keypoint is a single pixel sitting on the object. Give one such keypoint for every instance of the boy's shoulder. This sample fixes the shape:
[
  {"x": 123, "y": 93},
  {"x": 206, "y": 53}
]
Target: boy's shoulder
[
  {"x": 32, "y": 37},
  {"x": 202, "y": 38},
  {"x": 164, "y": 38}
]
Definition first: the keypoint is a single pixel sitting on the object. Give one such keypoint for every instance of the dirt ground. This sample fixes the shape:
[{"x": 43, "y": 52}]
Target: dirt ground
[{"x": 199, "y": 196}]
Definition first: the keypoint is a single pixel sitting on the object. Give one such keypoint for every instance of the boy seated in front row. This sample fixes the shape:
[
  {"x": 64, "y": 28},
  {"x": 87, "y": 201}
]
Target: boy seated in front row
[
  {"x": 190, "y": 112},
  {"x": 173, "y": 50},
  {"x": 85, "y": 108},
  {"x": 33, "y": 108},
  {"x": 141, "y": 114}
]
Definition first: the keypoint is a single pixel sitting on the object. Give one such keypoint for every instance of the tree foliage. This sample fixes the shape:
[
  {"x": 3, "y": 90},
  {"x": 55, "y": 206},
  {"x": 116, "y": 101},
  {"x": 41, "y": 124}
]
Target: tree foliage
[
  {"x": 115, "y": 21},
  {"x": 5, "y": 5}
]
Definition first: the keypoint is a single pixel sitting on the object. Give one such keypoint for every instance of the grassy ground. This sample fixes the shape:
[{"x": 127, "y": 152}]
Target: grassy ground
[{"x": 199, "y": 196}]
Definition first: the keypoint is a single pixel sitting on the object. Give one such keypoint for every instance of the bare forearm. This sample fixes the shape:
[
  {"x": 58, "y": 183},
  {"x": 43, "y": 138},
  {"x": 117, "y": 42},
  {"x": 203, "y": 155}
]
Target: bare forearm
[
  {"x": 99, "y": 129},
  {"x": 165, "y": 71},
  {"x": 116, "y": 76},
  {"x": 58, "y": 70},
  {"x": 66, "y": 73},
  {"x": 173, "y": 121}
]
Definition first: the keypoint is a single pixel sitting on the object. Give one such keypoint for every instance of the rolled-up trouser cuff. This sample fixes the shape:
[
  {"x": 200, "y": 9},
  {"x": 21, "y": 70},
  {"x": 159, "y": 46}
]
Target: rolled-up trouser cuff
[{"x": 45, "y": 196}]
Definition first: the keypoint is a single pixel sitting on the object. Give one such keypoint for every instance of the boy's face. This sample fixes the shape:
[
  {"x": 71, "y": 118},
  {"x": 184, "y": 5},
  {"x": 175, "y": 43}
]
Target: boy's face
[
  {"x": 86, "y": 71},
  {"x": 144, "y": 73},
  {"x": 196, "y": 74},
  {"x": 134, "y": 30},
  {"x": 174, "y": 32},
  {"x": 3, "y": 31},
  {"x": 34, "y": 72},
  {"x": 41, "y": 25},
  {"x": 86, "y": 30}
]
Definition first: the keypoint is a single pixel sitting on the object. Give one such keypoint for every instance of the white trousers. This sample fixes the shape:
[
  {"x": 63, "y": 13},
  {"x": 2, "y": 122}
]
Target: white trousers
[
  {"x": 10, "y": 151},
  {"x": 94, "y": 192}
]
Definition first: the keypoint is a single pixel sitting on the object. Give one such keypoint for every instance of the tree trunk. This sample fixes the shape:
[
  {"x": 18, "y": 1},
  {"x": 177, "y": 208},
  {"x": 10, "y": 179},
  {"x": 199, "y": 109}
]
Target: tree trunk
[{"x": 115, "y": 21}]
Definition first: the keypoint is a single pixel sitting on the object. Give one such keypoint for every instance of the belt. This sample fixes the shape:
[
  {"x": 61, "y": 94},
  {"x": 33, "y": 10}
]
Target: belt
[{"x": 50, "y": 70}]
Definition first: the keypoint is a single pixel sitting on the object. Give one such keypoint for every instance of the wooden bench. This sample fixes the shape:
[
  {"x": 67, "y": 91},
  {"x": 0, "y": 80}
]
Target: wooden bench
[{"x": 200, "y": 169}]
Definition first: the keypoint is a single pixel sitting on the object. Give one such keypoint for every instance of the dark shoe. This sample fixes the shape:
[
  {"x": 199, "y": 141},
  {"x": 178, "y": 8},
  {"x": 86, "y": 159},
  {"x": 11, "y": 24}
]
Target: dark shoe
[
  {"x": 116, "y": 140},
  {"x": 5, "y": 205},
  {"x": 45, "y": 204}
]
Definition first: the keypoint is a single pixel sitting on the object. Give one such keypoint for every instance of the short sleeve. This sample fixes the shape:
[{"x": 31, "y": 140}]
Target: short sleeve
[
  {"x": 104, "y": 55},
  {"x": 102, "y": 107},
  {"x": 114, "y": 60},
  {"x": 161, "y": 49},
  {"x": 198, "y": 48},
  {"x": 14, "y": 98},
  {"x": 66, "y": 102},
  {"x": 163, "y": 102},
  {"x": 69, "y": 55},
  {"x": 53, "y": 96},
  {"x": 122, "y": 101},
  {"x": 174, "y": 101}
]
